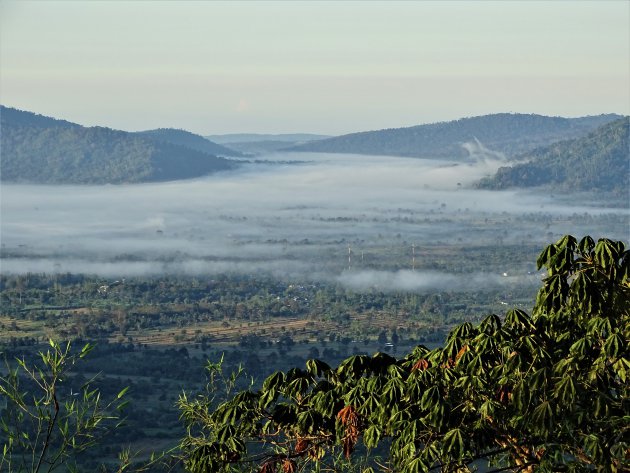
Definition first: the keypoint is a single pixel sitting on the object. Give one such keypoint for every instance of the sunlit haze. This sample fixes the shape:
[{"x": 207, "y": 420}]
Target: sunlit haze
[{"x": 319, "y": 67}]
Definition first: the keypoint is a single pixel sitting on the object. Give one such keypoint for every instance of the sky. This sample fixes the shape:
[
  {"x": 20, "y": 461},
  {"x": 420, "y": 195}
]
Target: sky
[{"x": 318, "y": 67}]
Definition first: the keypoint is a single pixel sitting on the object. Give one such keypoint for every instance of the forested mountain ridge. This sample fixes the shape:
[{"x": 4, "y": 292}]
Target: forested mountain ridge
[
  {"x": 598, "y": 161},
  {"x": 43, "y": 150},
  {"x": 510, "y": 134},
  {"x": 189, "y": 140},
  {"x": 15, "y": 117}
]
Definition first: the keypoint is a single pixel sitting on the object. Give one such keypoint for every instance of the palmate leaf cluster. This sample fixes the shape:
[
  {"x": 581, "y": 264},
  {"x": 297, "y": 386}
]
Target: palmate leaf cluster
[{"x": 544, "y": 392}]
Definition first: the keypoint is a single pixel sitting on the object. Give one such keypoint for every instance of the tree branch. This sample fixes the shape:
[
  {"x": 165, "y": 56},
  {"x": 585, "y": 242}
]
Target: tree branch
[{"x": 51, "y": 425}]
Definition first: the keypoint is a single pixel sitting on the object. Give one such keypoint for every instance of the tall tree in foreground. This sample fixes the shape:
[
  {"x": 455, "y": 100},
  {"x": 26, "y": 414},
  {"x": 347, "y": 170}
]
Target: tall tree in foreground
[{"x": 547, "y": 392}]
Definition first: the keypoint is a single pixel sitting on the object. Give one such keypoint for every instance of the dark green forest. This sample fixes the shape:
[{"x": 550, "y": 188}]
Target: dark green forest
[
  {"x": 510, "y": 134},
  {"x": 598, "y": 161},
  {"x": 43, "y": 150}
]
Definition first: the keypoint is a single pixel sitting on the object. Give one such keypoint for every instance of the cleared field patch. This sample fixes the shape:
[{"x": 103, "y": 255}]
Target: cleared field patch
[
  {"x": 299, "y": 328},
  {"x": 11, "y": 327},
  {"x": 224, "y": 332}
]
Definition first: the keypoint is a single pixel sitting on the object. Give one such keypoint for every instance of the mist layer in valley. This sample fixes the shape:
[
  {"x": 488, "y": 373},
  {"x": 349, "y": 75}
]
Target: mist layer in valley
[{"x": 364, "y": 221}]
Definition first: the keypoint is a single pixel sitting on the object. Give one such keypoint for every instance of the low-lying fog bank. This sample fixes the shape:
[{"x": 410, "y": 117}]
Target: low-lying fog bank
[{"x": 338, "y": 217}]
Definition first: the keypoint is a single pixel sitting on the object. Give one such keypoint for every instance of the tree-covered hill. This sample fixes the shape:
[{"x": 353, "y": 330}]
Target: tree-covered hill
[
  {"x": 37, "y": 149},
  {"x": 189, "y": 140},
  {"x": 15, "y": 117},
  {"x": 598, "y": 161},
  {"x": 511, "y": 134}
]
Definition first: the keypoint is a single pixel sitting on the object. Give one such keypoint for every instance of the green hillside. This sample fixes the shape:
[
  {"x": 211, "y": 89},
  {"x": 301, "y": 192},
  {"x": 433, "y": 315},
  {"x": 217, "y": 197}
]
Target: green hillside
[
  {"x": 598, "y": 161},
  {"x": 511, "y": 134},
  {"x": 189, "y": 140},
  {"x": 37, "y": 149},
  {"x": 14, "y": 117}
]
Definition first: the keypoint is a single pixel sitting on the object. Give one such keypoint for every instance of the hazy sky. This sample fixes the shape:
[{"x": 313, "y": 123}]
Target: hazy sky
[{"x": 321, "y": 67}]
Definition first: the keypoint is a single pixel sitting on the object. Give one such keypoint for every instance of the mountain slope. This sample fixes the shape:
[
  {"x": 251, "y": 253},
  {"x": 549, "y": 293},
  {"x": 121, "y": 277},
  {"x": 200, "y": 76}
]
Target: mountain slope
[
  {"x": 189, "y": 140},
  {"x": 43, "y": 150},
  {"x": 14, "y": 117},
  {"x": 511, "y": 134},
  {"x": 598, "y": 161}
]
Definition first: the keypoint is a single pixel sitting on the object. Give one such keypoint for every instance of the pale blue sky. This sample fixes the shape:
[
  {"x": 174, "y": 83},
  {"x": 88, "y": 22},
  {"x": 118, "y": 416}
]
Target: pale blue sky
[{"x": 321, "y": 67}]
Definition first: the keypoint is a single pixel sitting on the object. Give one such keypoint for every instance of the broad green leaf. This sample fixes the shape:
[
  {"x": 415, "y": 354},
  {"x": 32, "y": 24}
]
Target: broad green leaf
[{"x": 453, "y": 444}]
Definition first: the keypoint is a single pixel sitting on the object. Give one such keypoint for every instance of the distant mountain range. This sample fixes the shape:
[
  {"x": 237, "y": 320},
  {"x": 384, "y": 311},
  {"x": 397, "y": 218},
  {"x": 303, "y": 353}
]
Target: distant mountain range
[
  {"x": 44, "y": 150},
  {"x": 189, "y": 140},
  {"x": 257, "y": 137},
  {"x": 255, "y": 143},
  {"x": 577, "y": 153},
  {"x": 509, "y": 134},
  {"x": 597, "y": 161}
]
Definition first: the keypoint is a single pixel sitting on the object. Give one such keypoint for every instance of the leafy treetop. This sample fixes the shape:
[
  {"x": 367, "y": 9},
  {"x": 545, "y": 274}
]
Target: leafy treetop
[{"x": 545, "y": 392}]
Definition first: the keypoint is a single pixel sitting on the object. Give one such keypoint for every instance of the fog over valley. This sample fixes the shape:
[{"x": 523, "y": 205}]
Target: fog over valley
[
  {"x": 278, "y": 236},
  {"x": 363, "y": 221}
]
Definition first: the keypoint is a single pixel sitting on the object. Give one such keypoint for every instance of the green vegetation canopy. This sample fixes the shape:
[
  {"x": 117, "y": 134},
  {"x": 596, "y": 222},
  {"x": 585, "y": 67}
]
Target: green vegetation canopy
[{"x": 545, "y": 392}]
